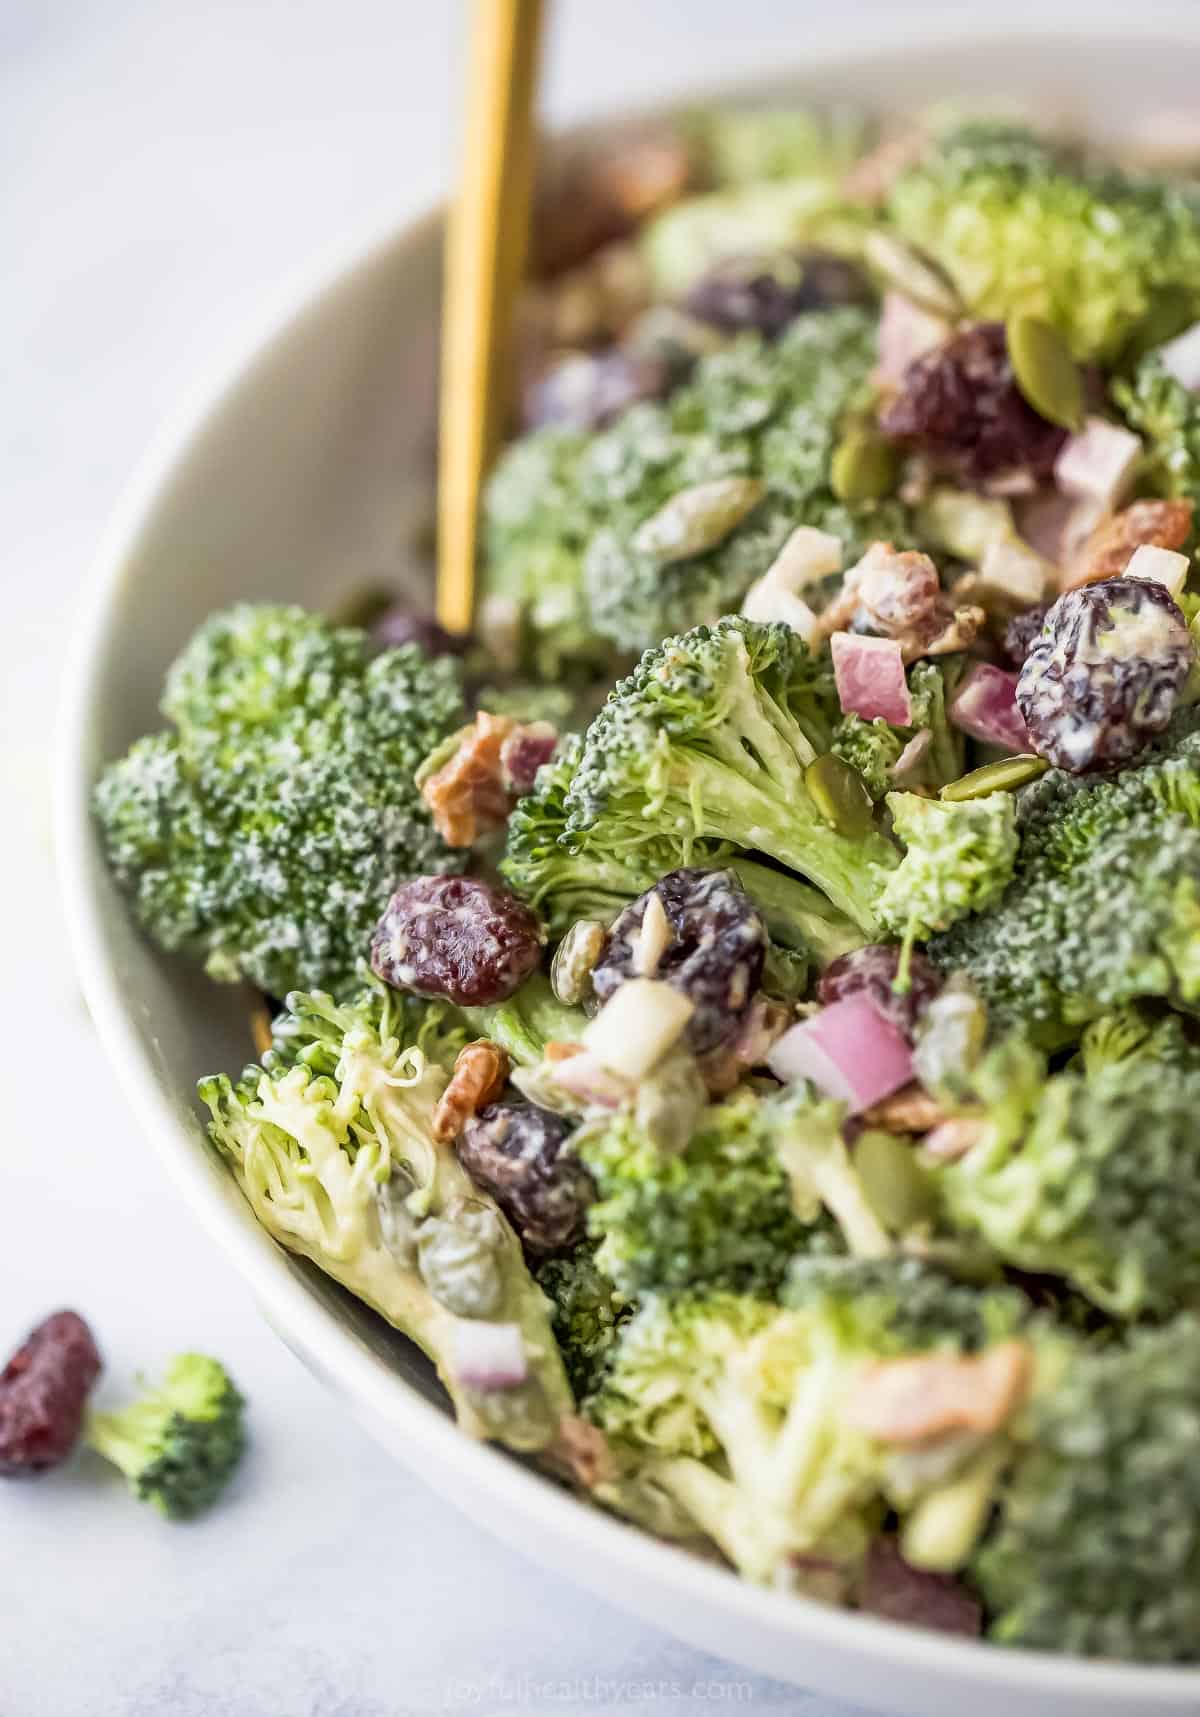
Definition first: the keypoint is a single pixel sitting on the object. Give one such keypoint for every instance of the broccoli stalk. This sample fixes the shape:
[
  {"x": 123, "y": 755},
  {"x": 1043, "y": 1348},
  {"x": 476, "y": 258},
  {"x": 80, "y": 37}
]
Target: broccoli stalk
[
  {"x": 178, "y": 1444},
  {"x": 705, "y": 747},
  {"x": 342, "y": 1167}
]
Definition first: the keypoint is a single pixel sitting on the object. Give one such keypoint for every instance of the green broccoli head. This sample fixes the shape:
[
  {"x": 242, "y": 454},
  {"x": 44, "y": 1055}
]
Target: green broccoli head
[
  {"x": 705, "y": 747},
  {"x": 1167, "y": 417},
  {"x": 265, "y": 833},
  {"x": 959, "y": 859},
  {"x": 336, "y": 1155},
  {"x": 1021, "y": 228},
  {"x": 1138, "y": 1034},
  {"x": 178, "y": 1444},
  {"x": 1091, "y": 1177},
  {"x": 738, "y": 1410},
  {"x": 1104, "y": 904},
  {"x": 718, "y": 1212},
  {"x": 1095, "y": 1548},
  {"x": 587, "y": 1311}
]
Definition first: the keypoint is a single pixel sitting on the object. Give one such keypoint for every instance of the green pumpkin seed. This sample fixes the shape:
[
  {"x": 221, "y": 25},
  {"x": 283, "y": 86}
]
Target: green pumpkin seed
[
  {"x": 1045, "y": 371},
  {"x": 574, "y": 959},
  {"x": 896, "y": 1186},
  {"x": 914, "y": 276},
  {"x": 999, "y": 777},
  {"x": 864, "y": 466},
  {"x": 697, "y": 519},
  {"x": 840, "y": 795}
]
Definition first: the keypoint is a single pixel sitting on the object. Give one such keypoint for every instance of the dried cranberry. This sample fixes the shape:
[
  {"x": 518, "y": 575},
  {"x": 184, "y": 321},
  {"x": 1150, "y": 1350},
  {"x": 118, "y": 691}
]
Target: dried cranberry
[
  {"x": 960, "y": 406},
  {"x": 1104, "y": 674},
  {"x": 1022, "y": 632},
  {"x": 520, "y": 1155},
  {"x": 767, "y": 292},
  {"x": 456, "y": 937},
  {"x": 586, "y": 390},
  {"x": 894, "y": 1589},
  {"x": 401, "y": 624},
  {"x": 872, "y": 971},
  {"x": 524, "y": 752},
  {"x": 43, "y": 1393},
  {"x": 715, "y": 944}
]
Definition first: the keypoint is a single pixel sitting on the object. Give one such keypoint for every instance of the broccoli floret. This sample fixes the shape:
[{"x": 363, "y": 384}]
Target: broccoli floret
[
  {"x": 717, "y": 1212},
  {"x": 342, "y": 1167},
  {"x": 1096, "y": 1545},
  {"x": 587, "y": 1310},
  {"x": 565, "y": 515},
  {"x": 178, "y": 1444},
  {"x": 736, "y": 1407},
  {"x": 1022, "y": 228},
  {"x": 527, "y": 1021},
  {"x": 1104, "y": 904},
  {"x": 920, "y": 1307},
  {"x": 799, "y": 919},
  {"x": 704, "y": 748},
  {"x": 959, "y": 859},
  {"x": 1167, "y": 417},
  {"x": 1136, "y": 1034},
  {"x": 1091, "y": 1177},
  {"x": 266, "y": 831},
  {"x": 746, "y": 147},
  {"x": 871, "y": 747}
]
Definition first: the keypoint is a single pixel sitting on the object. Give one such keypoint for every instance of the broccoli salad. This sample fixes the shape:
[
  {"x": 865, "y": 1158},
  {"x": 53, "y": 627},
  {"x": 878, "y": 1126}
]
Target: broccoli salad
[{"x": 739, "y": 1011}]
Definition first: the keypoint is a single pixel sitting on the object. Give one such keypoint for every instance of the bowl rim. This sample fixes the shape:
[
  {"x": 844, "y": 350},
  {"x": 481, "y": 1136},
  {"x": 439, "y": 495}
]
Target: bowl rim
[{"x": 293, "y": 1312}]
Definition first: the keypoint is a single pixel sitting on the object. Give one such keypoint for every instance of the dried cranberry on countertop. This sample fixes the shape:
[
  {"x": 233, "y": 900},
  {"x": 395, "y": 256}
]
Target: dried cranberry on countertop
[
  {"x": 1022, "y": 633},
  {"x": 959, "y": 404},
  {"x": 699, "y": 931},
  {"x": 871, "y": 971},
  {"x": 43, "y": 1393},
  {"x": 456, "y": 937},
  {"x": 766, "y": 293},
  {"x": 1105, "y": 673},
  {"x": 520, "y": 1154}
]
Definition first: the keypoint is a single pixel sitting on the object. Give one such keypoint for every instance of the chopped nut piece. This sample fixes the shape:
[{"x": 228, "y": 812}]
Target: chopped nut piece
[
  {"x": 478, "y": 1079},
  {"x": 467, "y": 795},
  {"x": 722, "y": 1069},
  {"x": 653, "y": 937},
  {"x": 911, "y": 1110},
  {"x": 916, "y": 1399},
  {"x": 580, "y": 1452},
  {"x": 897, "y": 594},
  {"x": 1107, "y": 552}
]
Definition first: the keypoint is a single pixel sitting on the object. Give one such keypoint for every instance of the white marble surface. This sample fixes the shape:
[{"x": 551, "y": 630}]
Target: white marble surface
[{"x": 163, "y": 167}]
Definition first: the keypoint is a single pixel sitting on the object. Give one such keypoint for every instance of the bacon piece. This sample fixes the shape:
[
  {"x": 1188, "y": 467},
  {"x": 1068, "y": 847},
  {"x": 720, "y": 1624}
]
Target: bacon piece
[{"x": 916, "y": 1399}]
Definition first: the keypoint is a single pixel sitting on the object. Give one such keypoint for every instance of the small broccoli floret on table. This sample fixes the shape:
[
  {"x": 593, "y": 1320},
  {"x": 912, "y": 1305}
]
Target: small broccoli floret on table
[
  {"x": 745, "y": 1414},
  {"x": 1095, "y": 1548},
  {"x": 705, "y": 747},
  {"x": 1020, "y": 227},
  {"x": 265, "y": 832},
  {"x": 1093, "y": 1177},
  {"x": 337, "y": 1157},
  {"x": 1104, "y": 905},
  {"x": 178, "y": 1444},
  {"x": 958, "y": 859}
]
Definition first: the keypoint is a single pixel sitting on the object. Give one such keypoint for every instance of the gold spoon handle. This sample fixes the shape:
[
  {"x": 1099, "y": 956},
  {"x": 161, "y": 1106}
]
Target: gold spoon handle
[{"x": 486, "y": 244}]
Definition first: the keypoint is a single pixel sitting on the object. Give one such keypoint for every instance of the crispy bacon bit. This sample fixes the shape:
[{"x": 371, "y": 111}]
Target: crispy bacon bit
[
  {"x": 580, "y": 1452},
  {"x": 479, "y": 1076},
  {"x": 1161, "y": 524},
  {"x": 898, "y": 595},
  {"x": 496, "y": 760},
  {"x": 911, "y": 1110},
  {"x": 930, "y": 1395}
]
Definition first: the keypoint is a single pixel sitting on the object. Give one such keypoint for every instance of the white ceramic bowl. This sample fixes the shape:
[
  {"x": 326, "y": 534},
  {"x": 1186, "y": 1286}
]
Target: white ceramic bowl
[{"x": 300, "y": 478}]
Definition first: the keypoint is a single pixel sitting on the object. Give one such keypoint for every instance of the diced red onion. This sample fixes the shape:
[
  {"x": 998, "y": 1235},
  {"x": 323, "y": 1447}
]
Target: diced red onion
[
  {"x": 1181, "y": 357},
  {"x": 870, "y": 678},
  {"x": 488, "y": 1356},
  {"x": 1098, "y": 463},
  {"x": 906, "y": 332},
  {"x": 913, "y": 755},
  {"x": 848, "y": 1050},
  {"x": 894, "y": 1589},
  {"x": 985, "y": 706}
]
